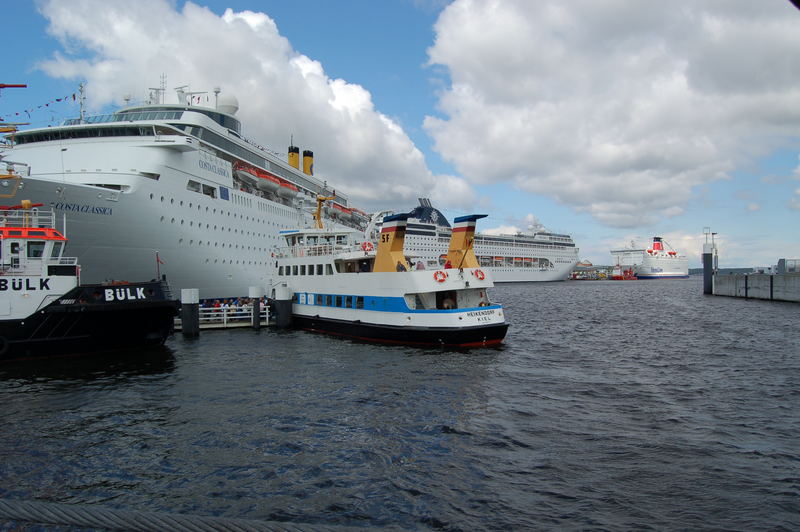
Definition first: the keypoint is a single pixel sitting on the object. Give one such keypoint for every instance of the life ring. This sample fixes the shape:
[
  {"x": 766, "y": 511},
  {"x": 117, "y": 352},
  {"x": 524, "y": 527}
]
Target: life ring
[
  {"x": 367, "y": 246},
  {"x": 4, "y": 345},
  {"x": 479, "y": 274},
  {"x": 439, "y": 276}
]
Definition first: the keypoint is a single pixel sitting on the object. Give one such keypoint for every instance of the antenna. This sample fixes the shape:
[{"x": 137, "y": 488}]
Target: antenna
[{"x": 82, "y": 101}]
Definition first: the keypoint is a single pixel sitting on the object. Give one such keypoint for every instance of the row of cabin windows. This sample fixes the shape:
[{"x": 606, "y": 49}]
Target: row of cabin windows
[
  {"x": 303, "y": 269},
  {"x": 519, "y": 262},
  {"x": 328, "y": 300}
]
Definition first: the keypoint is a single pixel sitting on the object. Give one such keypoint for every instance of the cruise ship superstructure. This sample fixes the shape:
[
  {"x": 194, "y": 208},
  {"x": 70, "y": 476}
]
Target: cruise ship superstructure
[
  {"x": 172, "y": 189},
  {"x": 538, "y": 256}
]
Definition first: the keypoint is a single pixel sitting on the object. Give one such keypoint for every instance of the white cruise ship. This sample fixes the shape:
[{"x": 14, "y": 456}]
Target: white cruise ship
[
  {"x": 172, "y": 189},
  {"x": 539, "y": 256},
  {"x": 658, "y": 261}
]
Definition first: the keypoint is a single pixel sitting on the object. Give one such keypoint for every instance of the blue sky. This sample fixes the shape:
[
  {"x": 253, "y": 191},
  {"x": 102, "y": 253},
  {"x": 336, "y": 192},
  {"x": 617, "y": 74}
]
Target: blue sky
[{"x": 608, "y": 120}]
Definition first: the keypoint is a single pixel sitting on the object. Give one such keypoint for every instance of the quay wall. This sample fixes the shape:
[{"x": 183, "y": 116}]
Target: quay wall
[{"x": 778, "y": 287}]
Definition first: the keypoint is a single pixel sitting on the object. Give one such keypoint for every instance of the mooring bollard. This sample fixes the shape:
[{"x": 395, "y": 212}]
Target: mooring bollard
[
  {"x": 190, "y": 312},
  {"x": 283, "y": 306},
  {"x": 708, "y": 268},
  {"x": 255, "y": 293}
]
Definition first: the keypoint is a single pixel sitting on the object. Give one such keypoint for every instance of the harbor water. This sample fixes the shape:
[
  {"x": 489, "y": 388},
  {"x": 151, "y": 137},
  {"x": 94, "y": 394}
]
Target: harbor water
[{"x": 611, "y": 406}]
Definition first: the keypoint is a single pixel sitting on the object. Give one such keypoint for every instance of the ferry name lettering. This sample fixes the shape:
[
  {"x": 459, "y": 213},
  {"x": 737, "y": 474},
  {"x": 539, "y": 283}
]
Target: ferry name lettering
[
  {"x": 124, "y": 294},
  {"x": 213, "y": 168},
  {"x": 480, "y": 313},
  {"x": 90, "y": 209},
  {"x": 18, "y": 285}
]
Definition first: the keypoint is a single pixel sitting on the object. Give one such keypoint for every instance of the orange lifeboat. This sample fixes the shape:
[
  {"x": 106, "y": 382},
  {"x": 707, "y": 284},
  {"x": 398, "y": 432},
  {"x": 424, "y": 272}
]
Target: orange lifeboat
[{"x": 286, "y": 189}]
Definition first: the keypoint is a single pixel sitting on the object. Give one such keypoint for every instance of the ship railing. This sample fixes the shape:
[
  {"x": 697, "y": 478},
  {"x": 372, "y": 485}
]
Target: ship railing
[
  {"x": 27, "y": 218},
  {"x": 314, "y": 250}
]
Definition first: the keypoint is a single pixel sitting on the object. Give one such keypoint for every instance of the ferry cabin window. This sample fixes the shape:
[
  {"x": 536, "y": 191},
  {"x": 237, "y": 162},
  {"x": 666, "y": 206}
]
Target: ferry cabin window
[
  {"x": 280, "y": 270},
  {"x": 328, "y": 269},
  {"x": 329, "y": 301},
  {"x": 35, "y": 249},
  {"x": 294, "y": 269},
  {"x": 348, "y": 301},
  {"x": 194, "y": 186},
  {"x": 319, "y": 269},
  {"x": 15, "y": 248},
  {"x": 360, "y": 302},
  {"x": 338, "y": 301},
  {"x": 310, "y": 269},
  {"x": 302, "y": 269}
]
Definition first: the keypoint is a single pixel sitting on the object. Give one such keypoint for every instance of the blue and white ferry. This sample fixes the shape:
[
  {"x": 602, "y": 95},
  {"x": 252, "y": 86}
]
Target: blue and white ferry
[{"x": 342, "y": 285}]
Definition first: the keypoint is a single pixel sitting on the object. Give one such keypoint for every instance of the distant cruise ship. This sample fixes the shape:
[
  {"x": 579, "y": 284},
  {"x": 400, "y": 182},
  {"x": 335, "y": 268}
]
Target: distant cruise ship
[
  {"x": 539, "y": 256},
  {"x": 173, "y": 189},
  {"x": 653, "y": 262}
]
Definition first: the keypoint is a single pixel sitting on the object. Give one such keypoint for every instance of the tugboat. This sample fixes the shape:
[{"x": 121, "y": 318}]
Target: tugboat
[
  {"x": 340, "y": 284},
  {"x": 45, "y": 311}
]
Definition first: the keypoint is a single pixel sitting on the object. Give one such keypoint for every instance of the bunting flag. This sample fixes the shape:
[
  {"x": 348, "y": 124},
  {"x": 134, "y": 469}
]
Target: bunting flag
[{"x": 32, "y": 109}]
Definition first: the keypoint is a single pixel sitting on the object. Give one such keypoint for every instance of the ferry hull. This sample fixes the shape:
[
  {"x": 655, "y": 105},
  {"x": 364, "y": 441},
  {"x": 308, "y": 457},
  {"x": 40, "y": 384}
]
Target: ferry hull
[
  {"x": 476, "y": 336},
  {"x": 75, "y": 324}
]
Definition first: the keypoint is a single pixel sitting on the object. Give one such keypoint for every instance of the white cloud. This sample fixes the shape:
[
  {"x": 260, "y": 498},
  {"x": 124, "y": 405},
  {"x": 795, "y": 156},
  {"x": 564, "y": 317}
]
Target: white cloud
[
  {"x": 120, "y": 47},
  {"x": 502, "y": 230},
  {"x": 617, "y": 108}
]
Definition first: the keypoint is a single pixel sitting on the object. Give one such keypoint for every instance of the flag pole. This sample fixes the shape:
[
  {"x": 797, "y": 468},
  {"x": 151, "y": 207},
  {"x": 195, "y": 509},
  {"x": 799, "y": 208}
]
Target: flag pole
[{"x": 158, "y": 267}]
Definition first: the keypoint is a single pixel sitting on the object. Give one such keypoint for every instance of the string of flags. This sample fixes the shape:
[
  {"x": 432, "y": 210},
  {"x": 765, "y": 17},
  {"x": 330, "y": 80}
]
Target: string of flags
[{"x": 28, "y": 112}]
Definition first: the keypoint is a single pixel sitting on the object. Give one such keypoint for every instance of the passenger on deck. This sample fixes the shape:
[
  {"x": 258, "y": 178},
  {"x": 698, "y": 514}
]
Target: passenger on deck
[
  {"x": 420, "y": 265},
  {"x": 400, "y": 267}
]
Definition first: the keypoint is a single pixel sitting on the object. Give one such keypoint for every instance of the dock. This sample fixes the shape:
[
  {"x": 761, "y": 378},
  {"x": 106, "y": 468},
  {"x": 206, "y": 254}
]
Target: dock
[
  {"x": 227, "y": 318},
  {"x": 783, "y": 285}
]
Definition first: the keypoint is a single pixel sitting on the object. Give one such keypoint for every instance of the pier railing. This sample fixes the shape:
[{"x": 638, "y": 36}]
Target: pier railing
[{"x": 227, "y": 317}]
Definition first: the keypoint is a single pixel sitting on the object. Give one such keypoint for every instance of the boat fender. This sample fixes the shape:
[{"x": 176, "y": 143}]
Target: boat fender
[
  {"x": 4, "y": 345},
  {"x": 439, "y": 276},
  {"x": 366, "y": 246},
  {"x": 479, "y": 274}
]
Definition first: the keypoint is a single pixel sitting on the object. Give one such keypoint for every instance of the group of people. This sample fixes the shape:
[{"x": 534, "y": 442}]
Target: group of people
[{"x": 237, "y": 308}]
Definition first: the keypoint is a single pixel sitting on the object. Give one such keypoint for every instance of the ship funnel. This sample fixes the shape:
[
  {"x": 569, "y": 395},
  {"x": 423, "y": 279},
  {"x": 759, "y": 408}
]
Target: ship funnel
[
  {"x": 294, "y": 157},
  {"x": 390, "y": 256},
  {"x": 461, "y": 253},
  {"x": 657, "y": 245},
  {"x": 308, "y": 162}
]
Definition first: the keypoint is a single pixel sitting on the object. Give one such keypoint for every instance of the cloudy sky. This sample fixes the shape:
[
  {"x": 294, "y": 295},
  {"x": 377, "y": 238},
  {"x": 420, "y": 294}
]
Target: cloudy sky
[{"x": 610, "y": 120}]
